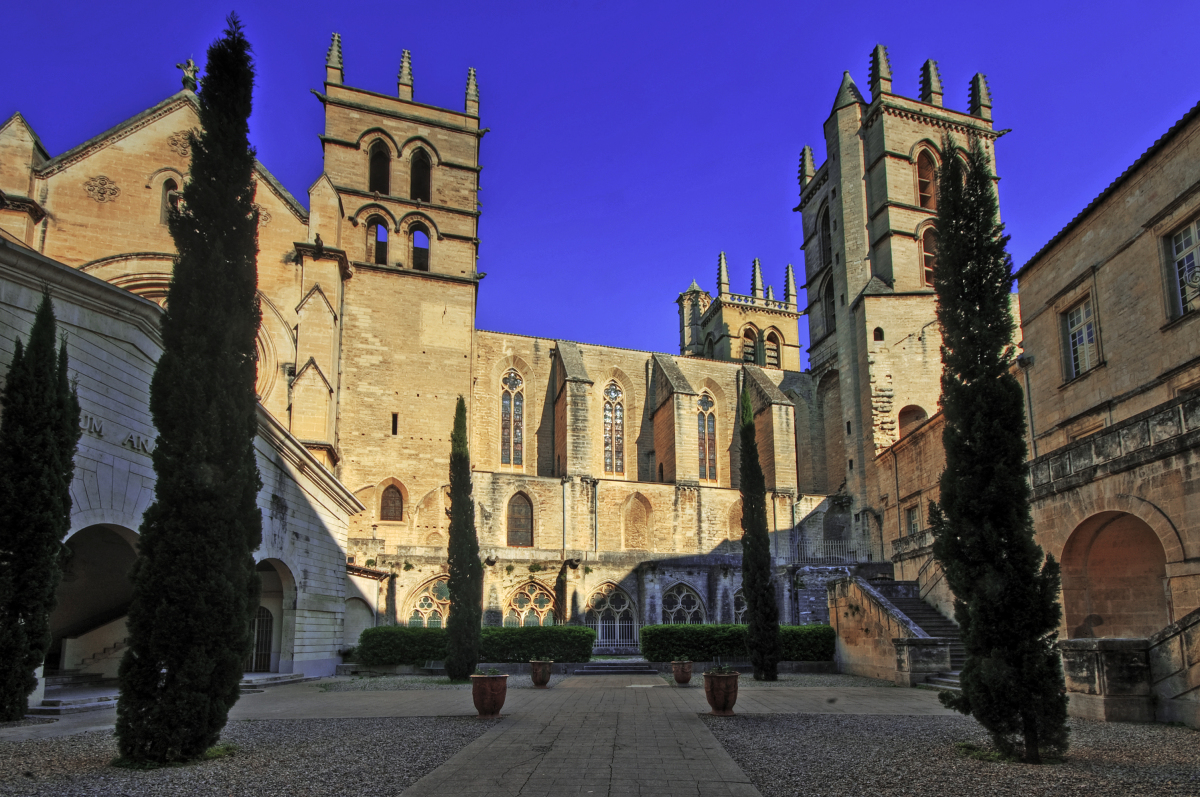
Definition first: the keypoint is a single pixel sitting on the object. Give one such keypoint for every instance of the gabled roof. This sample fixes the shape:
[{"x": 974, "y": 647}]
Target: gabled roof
[
  {"x": 1124, "y": 177},
  {"x": 283, "y": 193},
  {"x": 37, "y": 141}
]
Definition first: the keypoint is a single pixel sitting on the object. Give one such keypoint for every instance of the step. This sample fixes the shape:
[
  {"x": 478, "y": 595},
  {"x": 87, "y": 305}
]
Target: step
[
  {"x": 625, "y": 671},
  {"x": 260, "y": 680},
  {"x": 53, "y": 707},
  {"x": 72, "y": 679}
]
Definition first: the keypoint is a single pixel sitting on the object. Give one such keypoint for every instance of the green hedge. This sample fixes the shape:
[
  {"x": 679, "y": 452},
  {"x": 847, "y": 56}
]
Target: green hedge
[
  {"x": 706, "y": 642},
  {"x": 397, "y": 644}
]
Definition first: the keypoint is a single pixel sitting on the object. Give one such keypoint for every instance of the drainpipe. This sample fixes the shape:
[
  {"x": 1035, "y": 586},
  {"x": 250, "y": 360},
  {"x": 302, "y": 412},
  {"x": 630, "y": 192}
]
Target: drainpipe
[
  {"x": 1025, "y": 362},
  {"x": 564, "y": 516},
  {"x": 596, "y": 515}
]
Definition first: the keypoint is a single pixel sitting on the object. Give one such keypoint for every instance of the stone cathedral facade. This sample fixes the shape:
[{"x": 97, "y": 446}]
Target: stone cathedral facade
[{"x": 615, "y": 468}]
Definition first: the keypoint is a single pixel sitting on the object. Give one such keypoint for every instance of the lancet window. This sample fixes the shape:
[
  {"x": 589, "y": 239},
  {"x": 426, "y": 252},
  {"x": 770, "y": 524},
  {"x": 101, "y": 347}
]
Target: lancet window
[
  {"x": 377, "y": 241},
  {"x": 771, "y": 350},
  {"x": 826, "y": 240},
  {"x": 681, "y": 606},
  {"x": 610, "y": 614},
  {"x": 378, "y": 178},
  {"x": 706, "y": 428},
  {"x": 531, "y": 605},
  {"x": 928, "y": 256},
  {"x": 749, "y": 346},
  {"x": 512, "y": 419},
  {"x": 614, "y": 430},
  {"x": 432, "y": 606},
  {"x": 170, "y": 199},
  {"x": 391, "y": 506},
  {"x": 520, "y": 522},
  {"x": 927, "y": 180},
  {"x": 420, "y": 173},
  {"x": 420, "y": 247}
]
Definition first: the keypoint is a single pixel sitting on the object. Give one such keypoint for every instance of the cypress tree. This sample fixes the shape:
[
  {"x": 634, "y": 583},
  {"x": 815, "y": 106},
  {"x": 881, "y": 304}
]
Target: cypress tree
[
  {"x": 38, "y": 434},
  {"x": 195, "y": 585},
  {"x": 466, "y": 571},
  {"x": 1006, "y": 591},
  {"x": 762, "y": 614}
]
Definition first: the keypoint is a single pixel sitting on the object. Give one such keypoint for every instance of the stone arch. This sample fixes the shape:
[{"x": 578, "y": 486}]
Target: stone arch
[
  {"x": 637, "y": 523},
  {"x": 93, "y": 599},
  {"x": 420, "y": 142},
  {"x": 773, "y": 340},
  {"x": 612, "y": 614},
  {"x": 909, "y": 418},
  {"x": 827, "y": 299},
  {"x": 158, "y": 176},
  {"x": 279, "y": 597},
  {"x": 750, "y": 336},
  {"x": 1113, "y": 578},
  {"x": 377, "y": 498},
  {"x": 427, "y": 605},
  {"x": 1088, "y": 501},
  {"x": 530, "y": 603},
  {"x": 830, "y": 473},
  {"x": 682, "y": 605},
  {"x": 374, "y": 209},
  {"x": 535, "y": 514},
  {"x": 733, "y": 528},
  {"x": 430, "y": 517},
  {"x": 377, "y": 134}
]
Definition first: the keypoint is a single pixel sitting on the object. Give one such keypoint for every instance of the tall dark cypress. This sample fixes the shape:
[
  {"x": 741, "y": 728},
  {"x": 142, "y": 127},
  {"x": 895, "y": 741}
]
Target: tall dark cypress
[
  {"x": 194, "y": 580},
  {"x": 466, "y": 571},
  {"x": 39, "y": 430},
  {"x": 1006, "y": 591},
  {"x": 762, "y": 613}
]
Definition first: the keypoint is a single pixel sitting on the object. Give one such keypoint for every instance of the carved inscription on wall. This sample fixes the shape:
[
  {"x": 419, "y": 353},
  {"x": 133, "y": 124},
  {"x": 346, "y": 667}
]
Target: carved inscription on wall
[
  {"x": 102, "y": 189},
  {"x": 178, "y": 142}
]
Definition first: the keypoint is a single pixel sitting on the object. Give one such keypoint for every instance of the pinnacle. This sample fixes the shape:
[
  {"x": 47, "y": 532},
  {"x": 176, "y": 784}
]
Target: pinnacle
[
  {"x": 333, "y": 57},
  {"x": 472, "y": 86},
  {"x": 405, "y": 77},
  {"x": 931, "y": 83},
  {"x": 848, "y": 93}
]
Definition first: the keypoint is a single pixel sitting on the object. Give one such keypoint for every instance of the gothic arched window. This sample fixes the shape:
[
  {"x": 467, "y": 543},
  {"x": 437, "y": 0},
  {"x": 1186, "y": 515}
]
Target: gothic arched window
[
  {"x": 614, "y": 429},
  {"x": 706, "y": 428},
  {"x": 512, "y": 419},
  {"x": 420, "y": 247},
  {"x": 377, "y": 241},
  {"x": 432, "y": 606},
  {"x": 419, "y": 173},
  {"x": 170, "y": 199},
  {"x": 739, "y": 607},
  {"x": 771, "y": 350},
  {"x": 749, "y": 346},
  {"x": 829, "y": 308},
  {"x": 380, "y": 167},
  {"x": 826, "y": 240},
  {"x": 391, "y": 505},
  {"x": 520, "y": 522},
  {"x": 926, "y": 180},
  {"x": 928, "y": 256},
  {"x": 681, "y": 606},
  {"x": 531, "y": 605},
  {"x": 610, "y": 614}
]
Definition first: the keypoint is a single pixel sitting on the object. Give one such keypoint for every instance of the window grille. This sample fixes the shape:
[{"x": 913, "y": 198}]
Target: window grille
[
  {"x": 614, "y": 430},
  {"x": 1081, "y": 339},
  {"x": 531, "y": 605},
  {"x": 391, "y": 506},
  {"x": 928, "y": 256},
  {"x": 432, "y": 606},
  {"x": 512, "y": 419},
  {"x": 682, "y": 606},
  {"x": 739, "y": 607},
  {"x": 610, "y": 614},
  {"x": 520, "y": 522},
  {"x": 261, "y": 631},
  {"x": 706, "y": 429},
  {"x": 1185, "y": 256},
  {"x": 420, "y": 176},
  {"x": 927, "y": 181}
]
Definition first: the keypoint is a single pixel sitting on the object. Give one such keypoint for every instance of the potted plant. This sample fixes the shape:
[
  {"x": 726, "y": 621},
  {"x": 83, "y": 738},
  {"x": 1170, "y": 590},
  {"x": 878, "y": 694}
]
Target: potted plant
[
  {"x": 682, "y": 670},
  {"x": 488, "y": 691},
  {"x": 720, "y": 689},
  {"x": 540, "y": 670}
]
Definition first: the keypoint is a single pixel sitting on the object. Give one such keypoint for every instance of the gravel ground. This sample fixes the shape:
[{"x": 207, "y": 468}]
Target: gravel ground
[
  {"x": 797, "y": 679},
  {"x": 27, "y": 721},
  {"x": 290, "y": 758},
  {"x": 839, "y": 754},
  {"x": 404, "y": 683}
]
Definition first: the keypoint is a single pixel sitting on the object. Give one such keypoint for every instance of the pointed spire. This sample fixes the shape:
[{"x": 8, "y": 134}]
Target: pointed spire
[
  {"x": 931, "y": 83},
  {"x": 693, "y": 288},
  {"x": 722, "y": 276},
  {"x": 333, "y": 61},
  {"x": 981, "y": 97},
  {"x": 847, "y": 93},
  {"x": 771, "y": 293},
  {"x": 789, "y": 286},
  {"x": 404, "y": 80},
  {"x": 472, "y": 93},
  {"x": 756, "y": 284},
  {"x": 807, "y": 168},
  {"x": 881, "y": 72}
]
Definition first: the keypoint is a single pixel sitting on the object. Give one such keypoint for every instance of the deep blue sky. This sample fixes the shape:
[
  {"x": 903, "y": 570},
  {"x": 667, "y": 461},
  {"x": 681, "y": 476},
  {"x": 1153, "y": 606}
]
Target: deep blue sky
[{"x": 633, "y": 141}]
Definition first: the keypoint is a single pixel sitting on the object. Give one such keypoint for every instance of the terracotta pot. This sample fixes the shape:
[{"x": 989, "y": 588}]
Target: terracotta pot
[
  {"x": 682, "y": 670},
  {"x": 721, "y": 692},
  {"x": 540, "y": 672},
  {"x": 488, "y": 693}
]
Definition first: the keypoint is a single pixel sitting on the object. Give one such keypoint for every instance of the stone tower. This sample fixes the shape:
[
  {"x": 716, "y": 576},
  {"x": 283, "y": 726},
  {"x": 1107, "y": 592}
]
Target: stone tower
[
  {"x": 754, "y": 328},
  {"x": 869, "y": 248}
]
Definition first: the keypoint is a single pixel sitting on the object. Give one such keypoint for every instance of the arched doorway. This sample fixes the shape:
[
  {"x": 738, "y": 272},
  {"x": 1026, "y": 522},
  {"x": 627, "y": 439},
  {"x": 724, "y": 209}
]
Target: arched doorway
[
  {"x": 1113, "y": 576},
  {"x": 262, "y": 631},
  {"x": 278, "y": 599}
]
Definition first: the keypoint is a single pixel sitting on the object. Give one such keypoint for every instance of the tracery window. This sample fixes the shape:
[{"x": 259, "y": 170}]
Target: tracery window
[
  {"x": 520, "y": 522},
  {"x": 614, "y": 429},
  {"x": 749, "y": 346},
  {"x": 420, "y": 247},
  {"x": 512, "y": 419},
  {"x": 926, "y": 180},
  {"x": 610, "y": 615},
  {"x": 771, "y": 350},
  {"x": 928, "y": 256},
  {"x": 739, "y": 607},
  {"x": 419, "y": 182},
  {"x": 531, "y": 605},
  {"x": 706, "y": 429},
  {"x": 432, "y": 606},
  {"x": 1185, "y": 257},
  {"x": 379, "y": 167},
  {"x": 681, "y": 606},
  {"x": 391, "y": 506}
]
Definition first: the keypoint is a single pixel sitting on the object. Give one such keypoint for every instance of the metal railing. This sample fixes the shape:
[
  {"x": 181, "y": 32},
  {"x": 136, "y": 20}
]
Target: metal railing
[{"x": 832, "y": 552}]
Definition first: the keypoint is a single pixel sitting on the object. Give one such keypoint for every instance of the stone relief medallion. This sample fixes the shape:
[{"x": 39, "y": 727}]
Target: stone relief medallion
[
  {"x": 102, "y": 189},
  {"x": 264, "y": 215},
  {"x": 178, "y": 142}
]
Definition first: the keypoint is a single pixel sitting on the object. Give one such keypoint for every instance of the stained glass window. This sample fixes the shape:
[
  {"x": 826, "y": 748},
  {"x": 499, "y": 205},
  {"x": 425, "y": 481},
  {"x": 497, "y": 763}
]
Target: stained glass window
[
  {"x": 682, "y": 606},
  {"x": 706, "y": 431},
  {"x": 512, "y": 419},
  {"x": 520, "y": 522},
  {"x": 391, "y": 507},
  {"x": 531, "y": 605},
  {"x": 614, "y": 430},
  {"x": 432, "y": 606}
]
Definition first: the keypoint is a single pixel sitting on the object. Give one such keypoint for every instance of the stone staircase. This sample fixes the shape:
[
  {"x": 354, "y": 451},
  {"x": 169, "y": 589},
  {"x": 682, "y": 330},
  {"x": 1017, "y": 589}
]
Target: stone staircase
[
  {"x": 73, "y": 692},
  {"x": 618, "y": 667},
  {"x": 934, "y": 623}
]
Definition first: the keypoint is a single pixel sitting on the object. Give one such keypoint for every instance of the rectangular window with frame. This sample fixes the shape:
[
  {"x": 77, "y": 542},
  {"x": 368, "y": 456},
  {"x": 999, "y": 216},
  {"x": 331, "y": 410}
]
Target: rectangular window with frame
[
  {"x": 912, "y": 520},
  {"x": 1079, "y": 333},
  {"x": 1184, "y": 249}
]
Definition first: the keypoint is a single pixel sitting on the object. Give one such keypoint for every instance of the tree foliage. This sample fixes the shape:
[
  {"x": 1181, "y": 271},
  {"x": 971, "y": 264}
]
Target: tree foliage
[
  {"x": 1006, "y": 591},
  {"x": 466, "y": 571},
  {"x": 195, "y": 585},
  {"x": 38, "y": 434},
  {"x": 762, "y": 613}
]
